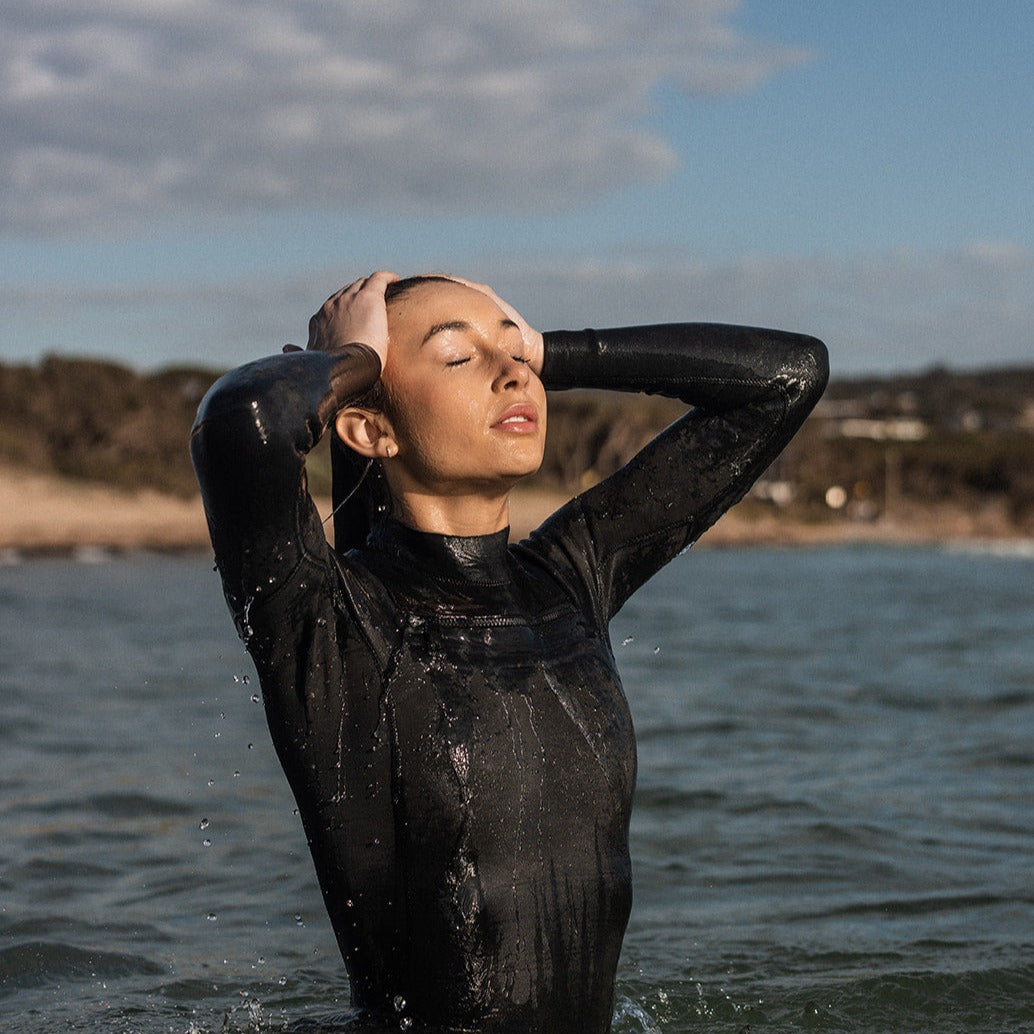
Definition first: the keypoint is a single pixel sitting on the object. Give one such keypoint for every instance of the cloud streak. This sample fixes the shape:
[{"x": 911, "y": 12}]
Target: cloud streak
[
  {"x": 903, "y": 310},
  {"x": 114, "y": 112}
]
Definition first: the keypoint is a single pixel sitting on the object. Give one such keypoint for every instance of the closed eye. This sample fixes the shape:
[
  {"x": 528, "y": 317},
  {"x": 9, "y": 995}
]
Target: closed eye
[
  {"x": 520, "y": 359},
  {"x": 458, "y": 362}
]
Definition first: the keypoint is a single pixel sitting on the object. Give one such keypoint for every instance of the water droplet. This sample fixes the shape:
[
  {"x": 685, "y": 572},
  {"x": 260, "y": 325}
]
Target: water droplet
[
  {"x": 251, "y": 746},
  {"x": 399, "y": 1002},
  {"x": 211, "y": 782},
  {"x": 299, "y": 921},
  {"x": 254, "y": 698},
  {"x": 212, "y": 917},
  {"x": 203, "y": 824},
  {"x": 236, "y": 773},
  {"x": 246, "y": 679},
  {"x": 405, "y": 1023},
  {"x": 282, "y": 981},
  {"x": 656, "y": 649},
  {"x": 628, "y": 639},
  {"x": 206, "y": 842}
]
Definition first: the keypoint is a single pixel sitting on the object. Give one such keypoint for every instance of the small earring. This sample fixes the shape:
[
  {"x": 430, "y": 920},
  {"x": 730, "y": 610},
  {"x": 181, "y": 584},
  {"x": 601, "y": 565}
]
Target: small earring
[{"x": 390, "y": 449}]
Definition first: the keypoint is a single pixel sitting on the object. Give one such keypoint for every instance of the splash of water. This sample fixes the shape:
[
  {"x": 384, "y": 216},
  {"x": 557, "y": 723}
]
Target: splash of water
[{"x": 631, "y": 1018}]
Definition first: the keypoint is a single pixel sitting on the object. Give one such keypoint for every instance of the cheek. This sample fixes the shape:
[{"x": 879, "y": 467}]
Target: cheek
[{"x": 436, "y": 423}]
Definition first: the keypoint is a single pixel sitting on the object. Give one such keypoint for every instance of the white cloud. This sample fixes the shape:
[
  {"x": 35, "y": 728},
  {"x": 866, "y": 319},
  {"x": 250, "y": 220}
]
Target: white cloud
[{"x": 114, "y": 111}]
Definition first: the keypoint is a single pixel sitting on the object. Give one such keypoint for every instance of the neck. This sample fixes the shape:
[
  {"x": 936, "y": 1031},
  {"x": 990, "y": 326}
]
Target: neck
[{"x": 460, "y": 514}]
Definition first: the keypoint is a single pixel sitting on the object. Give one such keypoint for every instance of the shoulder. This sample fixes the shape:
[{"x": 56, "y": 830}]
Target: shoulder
[{"x": 563, "y": 549}]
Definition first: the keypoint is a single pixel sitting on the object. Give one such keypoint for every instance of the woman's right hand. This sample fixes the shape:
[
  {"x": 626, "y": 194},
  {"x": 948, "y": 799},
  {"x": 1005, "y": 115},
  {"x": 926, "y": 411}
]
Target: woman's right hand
[{"x": 356, "y": 314}]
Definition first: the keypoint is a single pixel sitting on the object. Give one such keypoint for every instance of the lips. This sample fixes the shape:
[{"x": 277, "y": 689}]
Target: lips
[{"x": 520, "y": 418}]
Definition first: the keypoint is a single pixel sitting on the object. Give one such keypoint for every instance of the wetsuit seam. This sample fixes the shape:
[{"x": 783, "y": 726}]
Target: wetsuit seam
[
  {"x": 360, "y": 618},
  {"x": 305, "y": 556},
  {"x": 736, "y": 382},
  {"x": 500, "y": 620}
]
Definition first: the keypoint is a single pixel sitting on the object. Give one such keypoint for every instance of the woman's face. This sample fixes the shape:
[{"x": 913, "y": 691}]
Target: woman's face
[{"x": 466, "y": 410}]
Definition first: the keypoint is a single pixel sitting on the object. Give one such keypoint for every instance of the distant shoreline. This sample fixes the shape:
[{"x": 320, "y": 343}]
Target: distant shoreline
[{"x": 45, "y": 515}]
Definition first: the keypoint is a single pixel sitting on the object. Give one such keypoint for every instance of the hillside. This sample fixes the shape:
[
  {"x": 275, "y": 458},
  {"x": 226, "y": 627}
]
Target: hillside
[{"x": 876, "y": 448}]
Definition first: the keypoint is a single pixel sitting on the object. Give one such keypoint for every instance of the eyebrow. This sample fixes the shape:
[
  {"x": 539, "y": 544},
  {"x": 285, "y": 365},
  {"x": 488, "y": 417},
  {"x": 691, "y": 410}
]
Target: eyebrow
[{"x": 462, "y": 325}]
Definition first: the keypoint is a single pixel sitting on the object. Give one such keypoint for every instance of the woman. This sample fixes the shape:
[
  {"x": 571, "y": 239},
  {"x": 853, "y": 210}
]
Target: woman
[{"x": 446, "y": 707}]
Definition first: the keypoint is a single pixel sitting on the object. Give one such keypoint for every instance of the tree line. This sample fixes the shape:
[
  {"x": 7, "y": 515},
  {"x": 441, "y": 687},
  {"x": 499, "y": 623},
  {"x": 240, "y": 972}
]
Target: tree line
[{"x": 970, "y": 435}]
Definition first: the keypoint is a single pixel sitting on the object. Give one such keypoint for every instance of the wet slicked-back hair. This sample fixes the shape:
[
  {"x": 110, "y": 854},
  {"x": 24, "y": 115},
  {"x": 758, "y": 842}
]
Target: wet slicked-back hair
[
  {"x": 360, "y": 491},
  {"x": 397, "y": 288}
]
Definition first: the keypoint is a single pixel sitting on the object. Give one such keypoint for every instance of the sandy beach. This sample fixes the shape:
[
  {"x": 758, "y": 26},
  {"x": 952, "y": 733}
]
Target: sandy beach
[{"x": 42, "y": 514}]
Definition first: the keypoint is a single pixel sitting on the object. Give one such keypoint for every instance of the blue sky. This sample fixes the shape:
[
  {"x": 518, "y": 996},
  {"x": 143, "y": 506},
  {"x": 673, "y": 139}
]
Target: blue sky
[{"x": 184, "y": 181}]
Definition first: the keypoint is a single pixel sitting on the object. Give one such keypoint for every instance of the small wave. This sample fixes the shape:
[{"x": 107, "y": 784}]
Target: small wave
[
  {"x": 138, "y": 806},
  {"x": 964, "y": 1001},
  {"x": 1007, "y": 549},
  {"x": 905, "y": 907},
  {"x": 91, "y": 555},
  {"x": 41, "y": 963}
]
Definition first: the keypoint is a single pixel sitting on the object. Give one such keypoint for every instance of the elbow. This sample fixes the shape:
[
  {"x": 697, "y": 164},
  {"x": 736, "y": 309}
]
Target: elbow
[
  {"x": 233, "y": 392},
  {"x": 819, "y": 357},
  {"x": 251, "y": 406},
  {"x": 808, "y": 372}
]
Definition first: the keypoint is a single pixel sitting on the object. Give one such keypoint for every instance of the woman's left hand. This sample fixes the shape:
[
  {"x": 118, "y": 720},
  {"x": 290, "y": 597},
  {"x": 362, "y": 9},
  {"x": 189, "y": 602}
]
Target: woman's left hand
[{"x": 532, "y": 338}]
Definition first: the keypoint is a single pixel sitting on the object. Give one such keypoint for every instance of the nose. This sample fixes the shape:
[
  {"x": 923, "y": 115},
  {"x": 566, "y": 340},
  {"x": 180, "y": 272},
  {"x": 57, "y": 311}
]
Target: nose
[{"x": 511, "y": 373}]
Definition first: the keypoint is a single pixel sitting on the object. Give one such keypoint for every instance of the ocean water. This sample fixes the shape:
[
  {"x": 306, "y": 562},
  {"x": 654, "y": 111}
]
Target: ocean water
[{"x": 833, "y": 831}]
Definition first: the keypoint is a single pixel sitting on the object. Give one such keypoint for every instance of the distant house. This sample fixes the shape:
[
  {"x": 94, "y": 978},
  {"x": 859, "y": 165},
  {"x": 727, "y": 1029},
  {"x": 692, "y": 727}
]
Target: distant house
[{"x": 890, "y": 429}]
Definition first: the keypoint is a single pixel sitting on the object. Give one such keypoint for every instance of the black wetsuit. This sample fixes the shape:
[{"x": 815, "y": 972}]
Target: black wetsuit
[{"x": 448, "y": 710}]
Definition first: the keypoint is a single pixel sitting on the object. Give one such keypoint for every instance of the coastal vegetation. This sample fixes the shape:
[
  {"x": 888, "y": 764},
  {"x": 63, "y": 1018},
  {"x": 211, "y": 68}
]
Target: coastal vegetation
[{"x": 876, "y": 447}]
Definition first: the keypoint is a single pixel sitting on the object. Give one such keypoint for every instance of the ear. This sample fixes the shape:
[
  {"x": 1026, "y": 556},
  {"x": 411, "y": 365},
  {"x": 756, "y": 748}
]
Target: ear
[{"x": 367, "y": 433}]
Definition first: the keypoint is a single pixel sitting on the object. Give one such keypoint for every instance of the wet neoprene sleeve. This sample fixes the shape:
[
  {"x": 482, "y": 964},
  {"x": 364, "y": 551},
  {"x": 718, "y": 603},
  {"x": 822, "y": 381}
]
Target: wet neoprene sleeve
[
  {"x": 711, "y": 365},
  {"x": 751, "y": 390},
  {"x": 249, "y": 442}
]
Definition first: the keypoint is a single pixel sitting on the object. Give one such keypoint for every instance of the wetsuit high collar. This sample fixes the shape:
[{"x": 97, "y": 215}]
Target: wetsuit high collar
[{"x": 470, "y": 559}]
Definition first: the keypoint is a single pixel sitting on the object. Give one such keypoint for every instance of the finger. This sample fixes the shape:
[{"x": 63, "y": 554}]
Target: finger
[
  {"x": 483, "y": 288},
  {"x": 380, "y": 280},
  {"x": 348, "y": 289}
]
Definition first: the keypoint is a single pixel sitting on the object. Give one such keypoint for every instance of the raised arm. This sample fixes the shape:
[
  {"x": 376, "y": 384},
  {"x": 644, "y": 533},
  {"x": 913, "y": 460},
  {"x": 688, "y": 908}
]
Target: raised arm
[
  {"x": 254, "y": 429},
  {"x": 751, "y": 390}
]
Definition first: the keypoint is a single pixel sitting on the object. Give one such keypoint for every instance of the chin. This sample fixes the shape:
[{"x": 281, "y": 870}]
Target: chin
[
  {"x": 510, "y": 476},
  {"x": 521, "y": 469}
]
